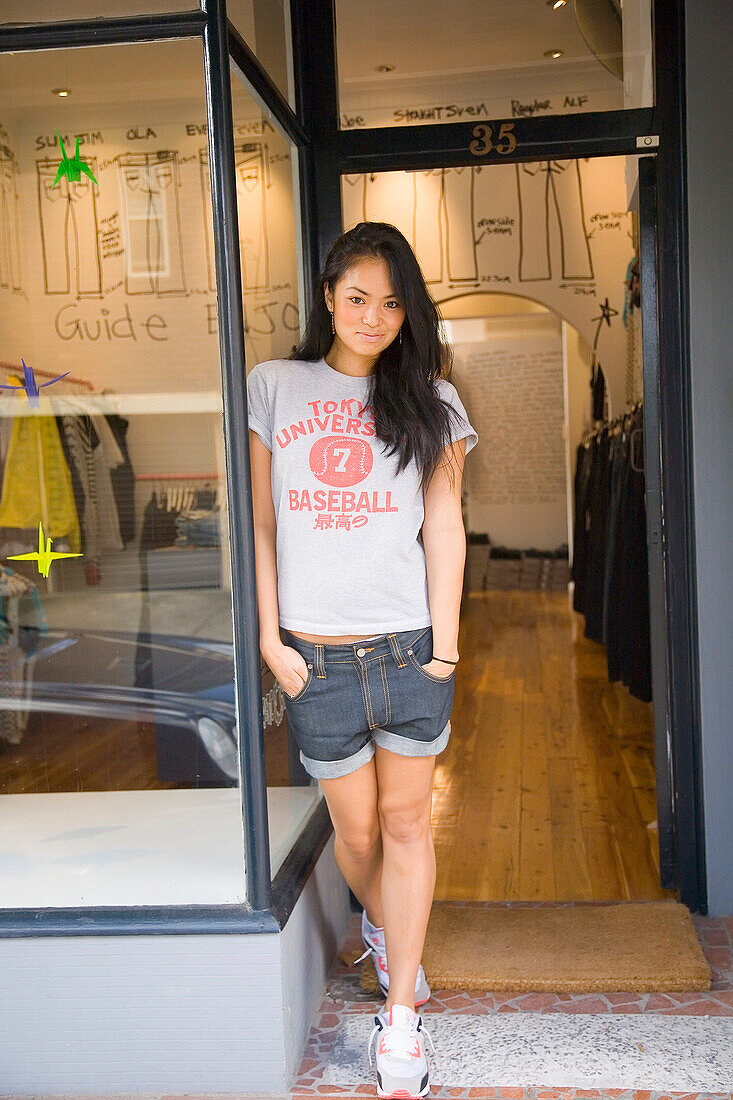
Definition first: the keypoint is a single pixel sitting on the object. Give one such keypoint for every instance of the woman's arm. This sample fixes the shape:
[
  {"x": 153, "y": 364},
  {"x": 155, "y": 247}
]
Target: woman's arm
[
  {"x": 265, "y": 530},
  {"x": 444, "y": 540},
  {"x": 286, "y": 663}
]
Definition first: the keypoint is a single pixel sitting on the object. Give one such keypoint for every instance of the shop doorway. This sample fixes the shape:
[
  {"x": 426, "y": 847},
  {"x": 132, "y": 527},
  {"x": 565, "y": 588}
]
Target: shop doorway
[{"x": 556, "y": 783}]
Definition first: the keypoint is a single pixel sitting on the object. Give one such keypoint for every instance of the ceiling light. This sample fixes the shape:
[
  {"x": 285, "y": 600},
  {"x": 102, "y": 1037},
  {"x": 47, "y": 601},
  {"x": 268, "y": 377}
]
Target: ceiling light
[
  {"x": 555, "y": 4},
  {"x": 384, "y": 68},
  {"x": 61, "y": 92},
  {"x": 553, "y": 53}
]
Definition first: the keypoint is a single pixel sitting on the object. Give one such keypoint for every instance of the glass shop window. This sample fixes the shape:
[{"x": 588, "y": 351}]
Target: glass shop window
[
  {"x": 40, "y": 11},
  {"x": 266, "y": 171},
  {"x": 118, "y": 742},
  {"x": 422, "y": 64},
  {"x": 265, "y": 27}
]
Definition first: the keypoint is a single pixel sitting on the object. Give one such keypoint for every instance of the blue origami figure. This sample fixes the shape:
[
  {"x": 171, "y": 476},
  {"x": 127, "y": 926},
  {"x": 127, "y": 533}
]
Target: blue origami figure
[{"x": 30, "y": 385}]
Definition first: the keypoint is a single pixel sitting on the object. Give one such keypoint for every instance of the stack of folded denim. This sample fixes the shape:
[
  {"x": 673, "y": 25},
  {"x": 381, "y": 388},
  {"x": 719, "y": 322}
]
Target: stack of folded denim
[{"x": 198, "y": 527}]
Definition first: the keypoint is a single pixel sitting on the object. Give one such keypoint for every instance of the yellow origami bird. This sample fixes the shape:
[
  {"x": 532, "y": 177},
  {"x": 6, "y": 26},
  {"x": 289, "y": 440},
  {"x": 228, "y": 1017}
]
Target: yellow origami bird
[{"x": 44, "y": 556}]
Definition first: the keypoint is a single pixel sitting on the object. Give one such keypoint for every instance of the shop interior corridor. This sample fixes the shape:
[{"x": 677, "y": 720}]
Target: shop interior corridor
[{"x": 546, "y": 791}]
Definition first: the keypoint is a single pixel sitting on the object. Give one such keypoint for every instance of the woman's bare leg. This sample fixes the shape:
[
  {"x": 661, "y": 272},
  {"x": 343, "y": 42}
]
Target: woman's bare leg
[
  {"x": 352, "y": 804},
  {"x": 408, "y": 871}
]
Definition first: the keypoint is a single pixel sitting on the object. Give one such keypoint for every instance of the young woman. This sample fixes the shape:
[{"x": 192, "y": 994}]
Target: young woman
[{"x": 357, "y": 448}]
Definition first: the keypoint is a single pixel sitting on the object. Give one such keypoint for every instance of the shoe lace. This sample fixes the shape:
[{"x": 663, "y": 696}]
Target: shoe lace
[
  {"x": 424, "y": 1031},
  {"x": 372, "y": 949},
  {"x": 400, "y": 1040}
]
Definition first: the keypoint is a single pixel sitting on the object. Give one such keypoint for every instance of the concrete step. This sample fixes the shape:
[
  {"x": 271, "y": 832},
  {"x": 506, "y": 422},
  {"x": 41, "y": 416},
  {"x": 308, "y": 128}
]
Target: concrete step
[{"x": 584, "y": 1051}]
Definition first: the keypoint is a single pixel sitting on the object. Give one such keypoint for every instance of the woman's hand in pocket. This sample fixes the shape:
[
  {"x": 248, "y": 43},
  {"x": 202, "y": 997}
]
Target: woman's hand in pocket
[
  {"x": 289, "y": 667},
  {"x": 435, "y": 667}
]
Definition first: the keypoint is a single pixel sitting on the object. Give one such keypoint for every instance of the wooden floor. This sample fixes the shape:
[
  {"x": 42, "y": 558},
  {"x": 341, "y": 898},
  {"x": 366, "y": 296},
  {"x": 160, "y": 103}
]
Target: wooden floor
[{"x": 547, "y": 788}]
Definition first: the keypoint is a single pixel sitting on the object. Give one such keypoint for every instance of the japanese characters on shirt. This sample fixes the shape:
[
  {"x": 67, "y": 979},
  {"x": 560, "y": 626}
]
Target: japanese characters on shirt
[{"x": 341, "y": 458}]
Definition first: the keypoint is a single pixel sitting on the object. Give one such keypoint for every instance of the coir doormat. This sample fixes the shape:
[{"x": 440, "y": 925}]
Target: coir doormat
[{"x": 630, "y": 946}]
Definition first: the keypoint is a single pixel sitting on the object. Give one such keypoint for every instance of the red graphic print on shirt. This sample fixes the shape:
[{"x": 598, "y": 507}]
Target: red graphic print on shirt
[{"x": 341, "y": 460}]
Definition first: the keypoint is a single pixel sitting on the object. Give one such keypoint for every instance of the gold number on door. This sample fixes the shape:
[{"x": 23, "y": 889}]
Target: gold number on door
[
  {"x": 482, "y": 133},
  {"x": 483, "y": 143}
]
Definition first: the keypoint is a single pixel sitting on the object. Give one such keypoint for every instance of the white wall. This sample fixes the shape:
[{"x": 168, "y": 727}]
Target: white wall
[
  {"x": 509, "y": 373},
  {"x": 105, "y": 1015}
]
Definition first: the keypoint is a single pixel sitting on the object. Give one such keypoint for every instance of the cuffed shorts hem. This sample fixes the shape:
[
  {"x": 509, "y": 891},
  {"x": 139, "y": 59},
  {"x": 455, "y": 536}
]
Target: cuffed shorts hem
[
  {"x": 403, "y": 746},
  {"x": 334, "y": 769},
  {"x": 407, "y": 746}
]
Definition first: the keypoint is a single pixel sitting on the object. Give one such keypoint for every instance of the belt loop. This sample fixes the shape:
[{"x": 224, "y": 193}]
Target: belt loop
[
  {"x": 320, "y": 665},
  {"x": 397, "y": 651}
]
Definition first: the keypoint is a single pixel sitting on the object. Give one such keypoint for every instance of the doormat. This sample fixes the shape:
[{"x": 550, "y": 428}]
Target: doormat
[{"x": 635, "y": 947}]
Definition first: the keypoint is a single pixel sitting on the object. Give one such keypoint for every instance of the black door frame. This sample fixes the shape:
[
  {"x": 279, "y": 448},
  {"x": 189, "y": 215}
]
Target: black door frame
[
  {"x": 324, "y": 152},
  {"x": 333, "y": 152}
]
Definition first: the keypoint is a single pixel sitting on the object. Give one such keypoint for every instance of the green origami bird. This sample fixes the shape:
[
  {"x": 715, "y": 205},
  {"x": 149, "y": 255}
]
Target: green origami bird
[{"x": 72, "y": 167}]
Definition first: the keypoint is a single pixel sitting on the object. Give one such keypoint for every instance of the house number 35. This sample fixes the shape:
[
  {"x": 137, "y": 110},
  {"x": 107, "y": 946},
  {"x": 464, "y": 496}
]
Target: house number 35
[{"x": 483, "y": 144}]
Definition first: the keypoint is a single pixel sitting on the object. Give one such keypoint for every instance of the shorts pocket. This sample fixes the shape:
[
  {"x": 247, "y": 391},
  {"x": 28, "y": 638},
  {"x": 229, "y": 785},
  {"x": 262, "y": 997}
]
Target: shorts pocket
[
  {"x": 301, "y": 693},
  {"x": 428, "y": 675}
]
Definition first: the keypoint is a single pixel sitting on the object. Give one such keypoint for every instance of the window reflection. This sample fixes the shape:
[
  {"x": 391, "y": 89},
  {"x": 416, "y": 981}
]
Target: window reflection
[
  {"x": 471, "y": 62},
  {"x": 118, "y": 738}
]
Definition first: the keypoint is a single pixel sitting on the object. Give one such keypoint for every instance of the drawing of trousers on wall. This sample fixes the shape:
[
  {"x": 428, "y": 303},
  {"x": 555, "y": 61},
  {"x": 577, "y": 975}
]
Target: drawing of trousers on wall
[
  {"x": 445, "y": 241},
  {"x": 434, "y": 211},
  {"x": 69, "y": 231},
  {"x": 9, "y": 226},
  {"x": 153, "y": 245},
  {"x": 390, "y": 197},
  {"x": 353, "y": 188},
  {"x": 535, "y": 181},
  {"x": 251, "y": 178}
]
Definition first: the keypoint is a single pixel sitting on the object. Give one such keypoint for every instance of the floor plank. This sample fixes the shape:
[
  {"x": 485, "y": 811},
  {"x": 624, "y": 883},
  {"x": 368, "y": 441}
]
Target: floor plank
[{"x": 547, "y": 788}]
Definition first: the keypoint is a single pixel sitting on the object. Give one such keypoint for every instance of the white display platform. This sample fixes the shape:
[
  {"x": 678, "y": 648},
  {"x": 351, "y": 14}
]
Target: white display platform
[{"x": 169, "y": 847}]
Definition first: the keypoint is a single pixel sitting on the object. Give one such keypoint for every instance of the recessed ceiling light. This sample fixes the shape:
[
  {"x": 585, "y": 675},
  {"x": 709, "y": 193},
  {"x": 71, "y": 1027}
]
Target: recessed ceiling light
[
  {"x": 384, "y": 68},
  {"x": 555, "y": 4},
  {"x": 61, "y": 92},
  {"x": 553, "y": 53}
]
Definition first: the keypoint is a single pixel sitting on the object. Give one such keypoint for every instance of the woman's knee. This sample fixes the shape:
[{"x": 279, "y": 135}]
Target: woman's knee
[
  {"x": 352, "y": 804},
  {"x": 406, "y": 823},
  {"x": 361, "y": 839}
]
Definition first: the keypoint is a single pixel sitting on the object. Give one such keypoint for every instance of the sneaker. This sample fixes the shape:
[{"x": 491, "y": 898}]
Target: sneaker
[
  {"x": 375, "y": 946},
  {"x": 402, "y": 1069}
]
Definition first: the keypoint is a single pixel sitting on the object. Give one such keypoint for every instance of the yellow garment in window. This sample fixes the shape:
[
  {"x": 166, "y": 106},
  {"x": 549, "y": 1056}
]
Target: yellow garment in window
[{"x": 37, "y": 482}]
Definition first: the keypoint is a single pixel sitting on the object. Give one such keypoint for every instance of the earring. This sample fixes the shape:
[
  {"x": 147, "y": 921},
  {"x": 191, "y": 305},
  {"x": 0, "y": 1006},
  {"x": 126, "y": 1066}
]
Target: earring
[
  {"x": 333, "y": 327},
  {"x": 400, "y": 337}
]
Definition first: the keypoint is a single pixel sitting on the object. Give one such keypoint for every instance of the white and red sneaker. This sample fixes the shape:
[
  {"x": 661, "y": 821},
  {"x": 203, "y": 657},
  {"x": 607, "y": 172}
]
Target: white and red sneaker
[
  {"x": 402, "y": 1068},
  {"x": 375, "y": 946}
]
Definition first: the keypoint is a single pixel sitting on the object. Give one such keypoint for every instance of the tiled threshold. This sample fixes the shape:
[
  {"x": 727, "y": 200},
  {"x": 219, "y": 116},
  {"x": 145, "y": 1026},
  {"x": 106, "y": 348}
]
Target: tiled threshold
[{"x": 516, "y": 1056}]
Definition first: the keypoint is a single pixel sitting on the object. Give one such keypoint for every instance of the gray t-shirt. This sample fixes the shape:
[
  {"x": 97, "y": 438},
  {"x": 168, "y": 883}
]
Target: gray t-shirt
[{"x": 349, "y": 556}]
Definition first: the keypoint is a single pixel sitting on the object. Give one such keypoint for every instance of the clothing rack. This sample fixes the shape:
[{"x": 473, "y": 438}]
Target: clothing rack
[
  {"x": 13, "y": 368},
  {"x": 619, "y": 424},
  {"x": 177, "y": 477},
  {"x": 609, "y": 569},
  {"x": 615, "y": 422}
]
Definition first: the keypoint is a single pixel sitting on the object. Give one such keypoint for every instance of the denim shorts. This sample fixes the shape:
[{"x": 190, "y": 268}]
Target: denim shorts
[{"x": 358, "y": 694}]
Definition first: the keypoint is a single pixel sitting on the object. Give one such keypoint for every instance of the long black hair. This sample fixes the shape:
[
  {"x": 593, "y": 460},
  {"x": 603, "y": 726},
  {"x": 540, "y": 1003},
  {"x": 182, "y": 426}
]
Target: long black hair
[{"x": 409, "y": 414}]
